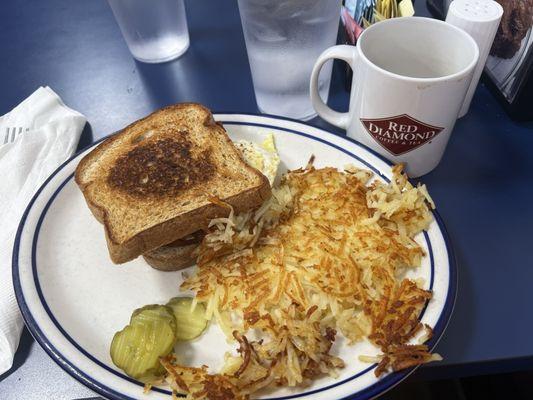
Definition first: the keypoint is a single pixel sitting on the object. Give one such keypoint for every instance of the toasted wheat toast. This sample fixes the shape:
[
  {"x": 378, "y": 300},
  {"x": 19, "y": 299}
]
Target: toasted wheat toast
[
  {"x": 176, "y": 255},
  {"x": 154, "y": 181}
]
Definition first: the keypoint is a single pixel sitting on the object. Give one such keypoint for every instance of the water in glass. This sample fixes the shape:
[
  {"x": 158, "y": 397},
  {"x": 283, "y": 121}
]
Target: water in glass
[
  {"x": 283, "y": 39},
  {"x": 155, "y": 31}
]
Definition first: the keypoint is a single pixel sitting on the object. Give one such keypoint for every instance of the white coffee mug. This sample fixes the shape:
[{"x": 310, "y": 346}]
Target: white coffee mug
[{"x": 410, "y": 76}]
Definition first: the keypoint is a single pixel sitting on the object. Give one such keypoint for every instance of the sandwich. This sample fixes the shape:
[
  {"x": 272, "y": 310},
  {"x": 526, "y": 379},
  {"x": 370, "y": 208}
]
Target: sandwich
[
  {"x": 164, "y": 178},
  {"x": 182, "y": 253}
]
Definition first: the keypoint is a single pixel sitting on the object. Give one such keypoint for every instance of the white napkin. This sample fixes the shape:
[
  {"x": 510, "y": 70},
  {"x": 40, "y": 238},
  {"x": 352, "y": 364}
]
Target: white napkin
[{"x": 52, "y": 136}]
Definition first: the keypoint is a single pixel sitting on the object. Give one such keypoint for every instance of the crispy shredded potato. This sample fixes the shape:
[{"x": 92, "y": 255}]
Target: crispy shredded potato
[
  {"x": 196, "y": 383},
  {"x": 325, "y": 255}
]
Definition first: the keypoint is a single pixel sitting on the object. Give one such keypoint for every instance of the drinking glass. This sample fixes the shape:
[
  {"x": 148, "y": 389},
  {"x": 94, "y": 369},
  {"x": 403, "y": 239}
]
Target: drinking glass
[
  {"x": 154, "y": 30},
  {"x": 283, "y": 40}
]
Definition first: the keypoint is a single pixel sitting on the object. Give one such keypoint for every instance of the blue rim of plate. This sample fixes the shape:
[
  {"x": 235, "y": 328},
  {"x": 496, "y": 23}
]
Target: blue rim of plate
[{"x": 370, "y": 392}]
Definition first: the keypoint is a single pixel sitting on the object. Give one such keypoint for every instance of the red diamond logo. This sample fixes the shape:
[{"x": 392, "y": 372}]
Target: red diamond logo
[{"x": 400, "y": 134}]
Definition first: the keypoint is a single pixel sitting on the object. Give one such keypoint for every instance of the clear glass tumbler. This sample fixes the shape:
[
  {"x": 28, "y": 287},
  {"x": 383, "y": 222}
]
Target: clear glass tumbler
[
  {"x": 283, "y": 39},
  {"x": 154, "y": 30}
]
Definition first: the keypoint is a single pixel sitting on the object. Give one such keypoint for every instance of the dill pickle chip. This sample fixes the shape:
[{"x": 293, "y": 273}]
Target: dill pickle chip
[
  {"x": 153, "y": 312},
  {"x": 189, "y": 324},
  {"x": 151, "y": 334}
]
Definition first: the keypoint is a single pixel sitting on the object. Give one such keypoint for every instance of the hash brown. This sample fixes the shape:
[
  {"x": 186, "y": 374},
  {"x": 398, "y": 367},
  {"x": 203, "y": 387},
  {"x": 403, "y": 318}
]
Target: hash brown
[{"x": 324, "y": 256}]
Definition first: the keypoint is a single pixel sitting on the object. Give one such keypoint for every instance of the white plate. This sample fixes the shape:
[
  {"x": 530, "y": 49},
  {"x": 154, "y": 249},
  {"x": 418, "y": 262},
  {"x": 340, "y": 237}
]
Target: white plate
[{"x": 74, "y": 299}]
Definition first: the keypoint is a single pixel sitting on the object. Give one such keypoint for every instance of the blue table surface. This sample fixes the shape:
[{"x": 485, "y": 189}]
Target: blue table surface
[{"x": 483, "y": 187}]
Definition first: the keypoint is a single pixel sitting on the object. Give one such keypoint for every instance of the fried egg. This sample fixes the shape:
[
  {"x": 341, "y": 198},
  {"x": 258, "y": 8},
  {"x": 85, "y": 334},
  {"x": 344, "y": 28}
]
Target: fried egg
[{"x": 263, "y": 157}]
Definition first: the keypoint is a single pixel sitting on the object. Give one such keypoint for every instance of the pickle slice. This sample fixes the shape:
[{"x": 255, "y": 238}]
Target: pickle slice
[
  {"x": 151, "y": 334},
  {"x": 189, "y": 324},
  {"x": 153, "y": 312}
]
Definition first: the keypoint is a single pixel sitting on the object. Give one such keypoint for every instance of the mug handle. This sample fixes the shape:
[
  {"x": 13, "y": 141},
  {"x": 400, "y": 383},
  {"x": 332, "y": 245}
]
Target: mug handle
[{"x": 343, "y": 52}]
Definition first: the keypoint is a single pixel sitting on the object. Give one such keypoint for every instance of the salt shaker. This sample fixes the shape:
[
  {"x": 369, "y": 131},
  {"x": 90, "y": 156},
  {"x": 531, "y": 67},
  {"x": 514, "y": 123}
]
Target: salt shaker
[{"x": 480, "y": 19}]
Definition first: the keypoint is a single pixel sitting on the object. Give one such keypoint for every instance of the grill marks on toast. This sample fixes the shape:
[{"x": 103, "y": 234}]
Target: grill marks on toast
[{"x": 162, "y": 167}]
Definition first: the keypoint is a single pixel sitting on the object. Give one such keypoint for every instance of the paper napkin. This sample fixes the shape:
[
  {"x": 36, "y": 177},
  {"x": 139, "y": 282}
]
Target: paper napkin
[{"x": 35, "y": 138}]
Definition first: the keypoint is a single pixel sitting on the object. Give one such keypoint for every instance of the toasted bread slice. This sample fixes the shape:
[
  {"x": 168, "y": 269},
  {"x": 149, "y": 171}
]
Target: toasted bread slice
[
  {"x": 176, "y": 255},
  {"x": 154, "y": 181},
  {"x": 180, "y": 253}
]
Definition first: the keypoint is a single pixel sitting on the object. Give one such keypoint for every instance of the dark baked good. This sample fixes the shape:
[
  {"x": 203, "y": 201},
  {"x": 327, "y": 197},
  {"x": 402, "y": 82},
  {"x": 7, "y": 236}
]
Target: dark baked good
[{"x": 516, "y": 21}]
